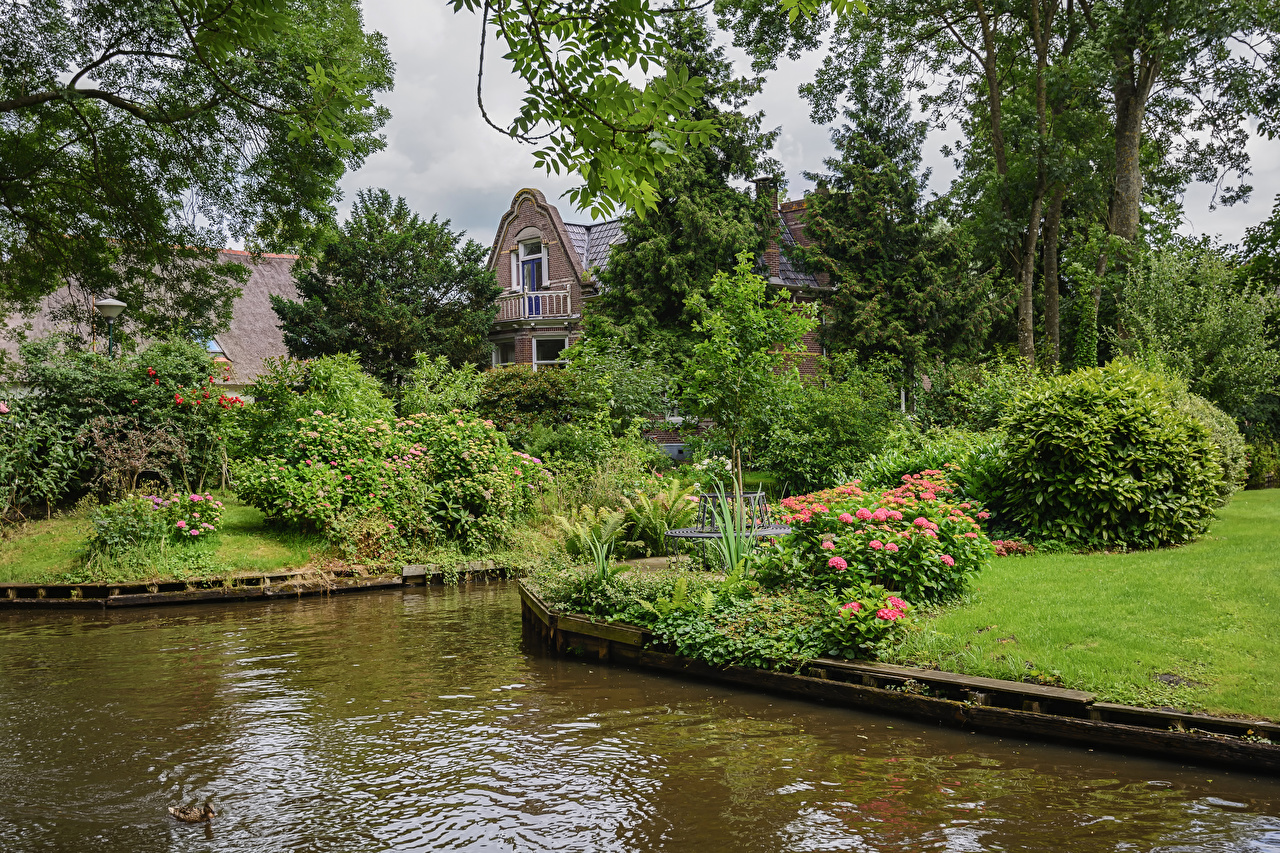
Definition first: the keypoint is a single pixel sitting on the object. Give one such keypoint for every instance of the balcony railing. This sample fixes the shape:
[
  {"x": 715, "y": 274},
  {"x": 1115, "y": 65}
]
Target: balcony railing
[{"x": 533, "y": 306}]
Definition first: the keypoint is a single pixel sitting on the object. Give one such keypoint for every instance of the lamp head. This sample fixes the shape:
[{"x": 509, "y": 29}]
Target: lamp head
[{"x": 109, "y": 308}]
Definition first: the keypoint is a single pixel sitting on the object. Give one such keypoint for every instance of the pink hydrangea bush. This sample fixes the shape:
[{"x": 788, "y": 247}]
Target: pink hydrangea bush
[
  {"x": 430, "y": 476},
  {"x": 918, "y": 539},
  {"x": 188, "y": 516},
  {"x": 861, "y": 620}
]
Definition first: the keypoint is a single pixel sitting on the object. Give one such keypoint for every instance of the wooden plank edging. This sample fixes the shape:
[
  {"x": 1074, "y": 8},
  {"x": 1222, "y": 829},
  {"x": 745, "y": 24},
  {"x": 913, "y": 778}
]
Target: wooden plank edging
[{"x": 990, "y": 705}]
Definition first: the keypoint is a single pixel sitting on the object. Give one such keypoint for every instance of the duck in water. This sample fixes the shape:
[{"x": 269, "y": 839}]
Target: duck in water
[{"x": 192, "y": 814}]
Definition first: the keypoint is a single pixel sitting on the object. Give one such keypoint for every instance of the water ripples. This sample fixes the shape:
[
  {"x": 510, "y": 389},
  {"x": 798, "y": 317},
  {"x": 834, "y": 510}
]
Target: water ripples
[{"x": 415, "y": 721}]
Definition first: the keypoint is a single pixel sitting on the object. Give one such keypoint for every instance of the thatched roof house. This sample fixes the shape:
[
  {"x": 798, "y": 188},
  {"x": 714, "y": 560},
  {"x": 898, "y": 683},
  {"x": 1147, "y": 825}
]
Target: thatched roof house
[{"x": 254, "y": 333}]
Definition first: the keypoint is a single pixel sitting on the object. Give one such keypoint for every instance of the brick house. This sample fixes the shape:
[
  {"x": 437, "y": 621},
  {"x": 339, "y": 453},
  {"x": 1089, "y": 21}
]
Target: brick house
[{"x": 547, "y": 269}]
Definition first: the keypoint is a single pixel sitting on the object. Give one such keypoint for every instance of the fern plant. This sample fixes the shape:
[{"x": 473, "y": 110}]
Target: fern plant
[
  {"x": 651, "y": 517},
  {"x": 586, "y": 525}
]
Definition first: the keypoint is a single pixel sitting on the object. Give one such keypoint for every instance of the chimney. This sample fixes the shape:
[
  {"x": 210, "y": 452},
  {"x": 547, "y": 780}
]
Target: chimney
[{"x": 767, "y": 192}]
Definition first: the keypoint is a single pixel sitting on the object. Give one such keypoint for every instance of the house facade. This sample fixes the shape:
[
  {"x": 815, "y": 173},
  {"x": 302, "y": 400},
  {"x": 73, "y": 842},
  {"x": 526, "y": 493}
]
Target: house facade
[{"x": 547, "y": 269}]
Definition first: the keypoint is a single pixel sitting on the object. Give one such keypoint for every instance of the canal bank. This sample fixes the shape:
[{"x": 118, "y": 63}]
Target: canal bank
[{"x": 942, "y": 698}]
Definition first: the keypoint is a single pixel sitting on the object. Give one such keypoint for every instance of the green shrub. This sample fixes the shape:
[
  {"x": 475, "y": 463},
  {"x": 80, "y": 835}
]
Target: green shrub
[
  {"x": 972, "y": 397},
  {"x": 827, "y": 428},
  {"x": 289, "y": 389},
  {"x": 168, "y": 390},
  {"x": 1103, "y": 457},
  {"x": 1233, "y": 454},
  {"x": 612, "y": 379},
  {"x": 41, "y": 462},
  {"x": 432, "y": 476},
  {"x": 517, "y": 397},
  {"x": 126, "y": 525},
  {"x": 617, "y": 467},
  {"x": 973, "y": 461},
  {"x": 1264, "y": 464},
  {"x": 572, "y": 445},
  {"x": 434, "y": 387}
]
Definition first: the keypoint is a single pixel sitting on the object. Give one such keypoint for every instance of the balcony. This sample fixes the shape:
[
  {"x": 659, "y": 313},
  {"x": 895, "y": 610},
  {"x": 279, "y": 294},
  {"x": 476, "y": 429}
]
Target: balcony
[{"x": 533, "y": 306}]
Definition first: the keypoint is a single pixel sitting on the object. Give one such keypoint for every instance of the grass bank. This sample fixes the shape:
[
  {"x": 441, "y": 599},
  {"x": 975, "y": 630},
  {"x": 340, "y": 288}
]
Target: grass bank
[
  {"x": 1195, "y": 627},
  {"x": 50, "y": 551}
]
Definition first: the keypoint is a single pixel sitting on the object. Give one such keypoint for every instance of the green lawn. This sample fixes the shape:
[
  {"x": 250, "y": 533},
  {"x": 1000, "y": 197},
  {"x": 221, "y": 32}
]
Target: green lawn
[
  {"x": 49, "y": 551},
  {"x": 1191, "y": 627}
]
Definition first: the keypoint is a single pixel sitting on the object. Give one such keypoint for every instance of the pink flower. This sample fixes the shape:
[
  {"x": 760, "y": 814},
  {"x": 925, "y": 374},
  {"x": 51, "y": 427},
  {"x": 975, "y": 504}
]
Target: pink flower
[
  {"x": 863, "y": 514},
  {"x": 971, "y": 535},
  {"x": 891, "y": 547},
  {"x": 894, "y": 515},
  {"x": 837, "y": 563},
  {"x": 880, "y": 515},
  {"x": 820, "y": 508},
  {"x": 921, "y": 522},
  {"x": 928, "y": 496},
  {"x": 846, "y": 518},
  {"x": 889, "y": 614},
  {"x": 828, "y": 546},
  {"x": 984, "y": 514},
  {"x": 182, "y": 524},
  {"x": 875, "y": 544},
  {"x": 931, "y": 534},
  {"x": 897, "y": 603},
  {"x": 948, "y": 559},
  {"x": 852, "y": 605}
]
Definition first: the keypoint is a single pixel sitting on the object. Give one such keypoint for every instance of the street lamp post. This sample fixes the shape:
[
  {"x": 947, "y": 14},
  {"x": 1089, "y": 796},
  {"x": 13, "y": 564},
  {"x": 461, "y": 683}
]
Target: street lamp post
[{"x": 110, "y": 308}]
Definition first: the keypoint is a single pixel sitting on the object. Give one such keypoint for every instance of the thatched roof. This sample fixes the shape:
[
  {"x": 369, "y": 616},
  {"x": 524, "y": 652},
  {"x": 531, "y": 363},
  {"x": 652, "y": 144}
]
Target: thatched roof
[{"x": 254, "y": 333}]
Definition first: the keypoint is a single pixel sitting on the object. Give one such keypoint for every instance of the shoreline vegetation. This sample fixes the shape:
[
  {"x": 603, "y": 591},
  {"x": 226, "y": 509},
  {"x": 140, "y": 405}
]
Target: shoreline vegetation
[{"x": 1191, "y": 627}]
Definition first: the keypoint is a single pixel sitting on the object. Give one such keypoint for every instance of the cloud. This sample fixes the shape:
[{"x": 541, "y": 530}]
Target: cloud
[{"x": 444, "y": 159}]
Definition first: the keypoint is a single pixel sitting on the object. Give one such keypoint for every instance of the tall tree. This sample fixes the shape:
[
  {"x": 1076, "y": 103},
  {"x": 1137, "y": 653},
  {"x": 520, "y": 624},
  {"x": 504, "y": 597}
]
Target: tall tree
[
  {"x": 904, "y": 278},
  {"x": 388, "y": 286},
  {"x": 700, "y": 223},
  {"x": 133, "y": 132}
]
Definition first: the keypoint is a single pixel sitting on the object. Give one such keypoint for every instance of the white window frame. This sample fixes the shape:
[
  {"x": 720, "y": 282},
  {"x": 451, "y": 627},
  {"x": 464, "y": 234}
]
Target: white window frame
[
  {"x": 554, "y": 363},
  {"x": 497, "y": 353},
  {"x": 528, "y": 235}
]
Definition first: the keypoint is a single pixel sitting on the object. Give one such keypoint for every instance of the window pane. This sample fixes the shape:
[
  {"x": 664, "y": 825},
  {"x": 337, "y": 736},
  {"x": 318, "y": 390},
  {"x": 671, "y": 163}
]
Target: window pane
[
  {"x": 506, "y": 352},
  {"x": 531, "y": 275},
  {"x": 533, "y": 247},
  {"x": 548, "y": 349}
]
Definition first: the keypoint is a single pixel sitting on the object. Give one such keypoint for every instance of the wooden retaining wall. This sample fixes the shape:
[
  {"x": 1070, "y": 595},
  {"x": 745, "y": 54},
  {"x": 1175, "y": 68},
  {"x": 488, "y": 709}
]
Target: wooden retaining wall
[
  {"x": 942, "y": 698},
  {"x": 294, "y": 583}
]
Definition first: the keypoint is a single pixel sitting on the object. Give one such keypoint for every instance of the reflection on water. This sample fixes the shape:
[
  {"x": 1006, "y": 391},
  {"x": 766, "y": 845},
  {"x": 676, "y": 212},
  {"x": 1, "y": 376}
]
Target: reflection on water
[{"x": 415, "y": 721}]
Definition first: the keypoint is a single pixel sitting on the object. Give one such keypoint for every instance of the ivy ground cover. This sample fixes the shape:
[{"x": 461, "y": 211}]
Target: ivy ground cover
[{"x": 1196, "y": 626}]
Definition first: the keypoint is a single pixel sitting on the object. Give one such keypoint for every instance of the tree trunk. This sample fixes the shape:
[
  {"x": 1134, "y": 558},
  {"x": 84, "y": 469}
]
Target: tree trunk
[
  {"x": 1126, "y": 205},
  {"x": 1027, "y": 277},
  {"x": 1052, "y": 324}
]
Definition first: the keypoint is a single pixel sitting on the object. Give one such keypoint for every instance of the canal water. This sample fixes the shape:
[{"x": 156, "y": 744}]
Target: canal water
[{"x": 415, "y": 720}]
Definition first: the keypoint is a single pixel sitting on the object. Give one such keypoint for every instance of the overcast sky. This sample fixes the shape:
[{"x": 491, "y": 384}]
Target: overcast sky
[{"x": 443, "y": 159}]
